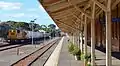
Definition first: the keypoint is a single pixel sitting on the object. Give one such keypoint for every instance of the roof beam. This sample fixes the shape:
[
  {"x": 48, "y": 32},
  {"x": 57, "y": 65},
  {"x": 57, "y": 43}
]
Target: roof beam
[
  {"x": 64, "y": 29},
  {"x": 63, "y": 10},
  {"x": 69, "y": 13},
  {"x": 87, "y": 6},
  {"x": 113, "y": 6},
  {"x": 67, "y": 24},
  {"x": 63, "y": 6},
  {"x": 68, "y": 28},
  {"x": 74, "y": 22},
  {"x": 61, "y": 1},
  {"x": 80, "y": 10},
  {"x": 103, "y": 7},
  {"x": 76, "y": 17},
  {"x": 69, "y": 19},
  {"x": 71, "y": 22},
  {"x": 116, "y": 2}
]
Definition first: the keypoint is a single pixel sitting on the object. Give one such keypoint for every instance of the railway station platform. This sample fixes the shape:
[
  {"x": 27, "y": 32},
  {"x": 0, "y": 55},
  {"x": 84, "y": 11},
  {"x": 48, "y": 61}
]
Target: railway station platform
[
  {"x": 66, "y": 59},
  {"x": 8, "y": 57},
  {"x": 96, "y": 21}
]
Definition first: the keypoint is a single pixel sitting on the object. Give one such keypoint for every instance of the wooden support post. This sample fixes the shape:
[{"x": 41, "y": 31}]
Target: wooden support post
[
  {"x": 93, "y": 36},
  {"x": 81, "y": 42},
  {"x": 73, "y": 38},
  {"x": 82, "y": 34},
  {"x": 78, "y": 39},
  {"x": 118, "y": 35},
  {"x": 85, "y": 40},
  {"x": 108, "y": 34}
]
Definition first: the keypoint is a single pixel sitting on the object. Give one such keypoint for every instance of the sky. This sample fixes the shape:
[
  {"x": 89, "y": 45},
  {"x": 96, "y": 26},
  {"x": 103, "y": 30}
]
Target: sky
[{"x": 24, "y": 10}]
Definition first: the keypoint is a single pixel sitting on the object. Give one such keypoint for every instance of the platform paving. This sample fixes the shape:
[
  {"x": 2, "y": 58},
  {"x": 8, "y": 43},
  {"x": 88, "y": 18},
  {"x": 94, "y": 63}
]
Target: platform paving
[
  {"x": 66, "y": 59},
  {"x": 101, "y": 58},
  {"x": 10, "y": 56}
]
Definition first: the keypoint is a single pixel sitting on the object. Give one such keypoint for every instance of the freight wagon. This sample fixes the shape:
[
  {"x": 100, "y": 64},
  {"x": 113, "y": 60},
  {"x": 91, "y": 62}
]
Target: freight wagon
[{"x": 18, "y": 36}]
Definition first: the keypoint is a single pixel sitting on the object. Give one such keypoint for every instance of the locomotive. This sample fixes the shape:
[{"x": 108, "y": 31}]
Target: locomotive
[{"x": 18, "y": 36}]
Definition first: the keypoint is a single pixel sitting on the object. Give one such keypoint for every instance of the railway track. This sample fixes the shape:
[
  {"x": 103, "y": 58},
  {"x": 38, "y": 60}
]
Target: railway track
[
  {"x": 40, "y": 61},
  {"x": 4, "y": 45},
  {"x": 33, "y": 57},
  {"x": 10, "y": 47}
]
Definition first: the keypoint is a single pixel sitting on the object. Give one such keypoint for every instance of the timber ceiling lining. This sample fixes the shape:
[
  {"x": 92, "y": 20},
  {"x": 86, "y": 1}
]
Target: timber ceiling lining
[{"x": 67, "y": 13}]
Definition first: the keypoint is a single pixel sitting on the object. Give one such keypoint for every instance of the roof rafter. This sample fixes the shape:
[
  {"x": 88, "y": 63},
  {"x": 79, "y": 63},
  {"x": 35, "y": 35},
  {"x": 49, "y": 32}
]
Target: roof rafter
[
  {"x": 80, "y": 10},
  {"x": 103, "y": 7},
  {"x": 67, "y": 24}
]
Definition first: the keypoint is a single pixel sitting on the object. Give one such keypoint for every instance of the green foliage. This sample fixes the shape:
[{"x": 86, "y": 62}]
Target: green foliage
[
  {"x": 86, "y": 57},
  {"x": 28, "y": 26},
  {"x": 71, "y": 47},
  {"x": 52, "y": 26},
  {"x": 43, "y": 27},
  {"x": 23, "y": 25},
  {"x": 82, "y": 56},
  {"x": 76, "y": 50}
]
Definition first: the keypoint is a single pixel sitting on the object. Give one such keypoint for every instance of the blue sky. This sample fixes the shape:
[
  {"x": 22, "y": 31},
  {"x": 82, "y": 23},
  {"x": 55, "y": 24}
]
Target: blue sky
[{"x": 23, "y": 10}]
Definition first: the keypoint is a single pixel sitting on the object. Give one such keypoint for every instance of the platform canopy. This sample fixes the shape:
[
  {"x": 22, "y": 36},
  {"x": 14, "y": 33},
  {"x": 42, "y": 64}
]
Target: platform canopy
[{"x": 69, "y": 14}]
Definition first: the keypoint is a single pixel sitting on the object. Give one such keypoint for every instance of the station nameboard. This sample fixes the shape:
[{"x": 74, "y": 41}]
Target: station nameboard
[{"x": 115, "y": 19}]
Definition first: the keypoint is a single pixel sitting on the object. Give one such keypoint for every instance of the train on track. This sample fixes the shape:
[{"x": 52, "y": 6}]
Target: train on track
[{"x": 18, "y": 36}]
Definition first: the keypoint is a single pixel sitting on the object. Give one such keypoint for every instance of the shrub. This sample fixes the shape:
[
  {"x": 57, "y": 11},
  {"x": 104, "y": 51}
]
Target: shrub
[
  {"x": 82, "y": 56},
  {"x": 76, "y": 50},
  {"x": 71, "y": 47}
]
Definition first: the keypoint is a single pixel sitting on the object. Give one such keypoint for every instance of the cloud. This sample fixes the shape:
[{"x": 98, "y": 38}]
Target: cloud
[
  {"x": 9, "y": 5},
  {"x": 18, "y": 15},
  {"x": 32, "y": 16},
  {"x": 32, "y": 9},
  {"x": 21, "y": 15},
  {"x": 14, "y": 15}
]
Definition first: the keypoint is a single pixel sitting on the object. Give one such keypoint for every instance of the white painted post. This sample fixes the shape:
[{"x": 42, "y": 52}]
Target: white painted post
[
  {"x": 73, "y": 38},
  {"x": 93, "y": 36},
  {"x": 78, "y": 39},
  {"x": 81, "y": 42},
  {"x": 108, "y": 34},
  {"x": 32, "y": 32},
  {"x": 81, "y": 36},
  {"x": 85, "y": 40}
]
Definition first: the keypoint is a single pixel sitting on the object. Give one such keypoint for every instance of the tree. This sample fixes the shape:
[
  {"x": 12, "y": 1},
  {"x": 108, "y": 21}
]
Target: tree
[
  {"x": 53, "y": 29},
  {"x": 52, "y": 26},
  {"x": 37, "y": 27},
  {"x": 43, "y": 27}
]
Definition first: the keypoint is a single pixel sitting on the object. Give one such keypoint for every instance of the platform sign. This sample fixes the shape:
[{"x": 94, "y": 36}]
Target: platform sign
[{"x": 115, "y": 19}]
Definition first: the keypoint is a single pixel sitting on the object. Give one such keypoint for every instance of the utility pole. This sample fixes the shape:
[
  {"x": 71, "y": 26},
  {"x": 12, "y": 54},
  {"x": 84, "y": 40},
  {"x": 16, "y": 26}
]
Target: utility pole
[
  {"x": 44, "y": 37},
  {"x": 32, "y": 21}
]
